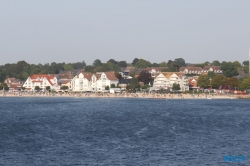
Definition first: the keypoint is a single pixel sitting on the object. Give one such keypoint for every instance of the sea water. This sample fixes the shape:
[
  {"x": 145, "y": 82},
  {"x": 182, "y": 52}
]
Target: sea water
[{"x": 112, "y": 131}]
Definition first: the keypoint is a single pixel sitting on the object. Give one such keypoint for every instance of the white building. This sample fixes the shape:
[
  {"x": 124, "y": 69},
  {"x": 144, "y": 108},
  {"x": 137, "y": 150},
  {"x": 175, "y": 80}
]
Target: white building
[
  {"x": 165, "y": 80},
  {"x": 41, "y": 80},
  {"x": 199, "y": 70},
  {"x": 93, "y": 82},
  {"x": 215, "y": 69},
  {"x": 191, "y": 70}
]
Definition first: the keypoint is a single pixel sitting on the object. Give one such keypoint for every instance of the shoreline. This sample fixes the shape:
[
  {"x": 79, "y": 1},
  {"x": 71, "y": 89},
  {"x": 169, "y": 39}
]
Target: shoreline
[{"x": 140, "y": 96}]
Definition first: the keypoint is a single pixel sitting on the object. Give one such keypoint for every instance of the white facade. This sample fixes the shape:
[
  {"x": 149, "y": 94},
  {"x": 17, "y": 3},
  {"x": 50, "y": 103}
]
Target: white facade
[
  {"x": 93, "y": 82},
  {"x": 41, "y": 80},
  {"x": 166, "y": 80}
]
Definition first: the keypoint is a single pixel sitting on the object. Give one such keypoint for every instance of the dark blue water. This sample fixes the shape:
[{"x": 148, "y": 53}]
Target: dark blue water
[{"x": 77, "y": 131}]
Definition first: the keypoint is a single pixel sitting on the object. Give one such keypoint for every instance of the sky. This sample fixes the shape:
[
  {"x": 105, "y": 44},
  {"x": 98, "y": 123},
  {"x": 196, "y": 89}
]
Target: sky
[{"x": 155, "y": 30}]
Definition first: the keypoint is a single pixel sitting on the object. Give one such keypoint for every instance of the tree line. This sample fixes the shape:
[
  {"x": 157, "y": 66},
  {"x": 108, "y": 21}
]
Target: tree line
[
  {"x": 216, "y": 81},
  {"x": 22, "y": 70}
]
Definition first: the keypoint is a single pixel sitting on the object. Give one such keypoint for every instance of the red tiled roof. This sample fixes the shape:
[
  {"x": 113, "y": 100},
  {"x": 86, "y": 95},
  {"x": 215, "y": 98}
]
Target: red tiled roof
[
  {"x": 48, "y": 76},
  {"x": 87, "y": 75},
  {"x": 111, "y": 75}
]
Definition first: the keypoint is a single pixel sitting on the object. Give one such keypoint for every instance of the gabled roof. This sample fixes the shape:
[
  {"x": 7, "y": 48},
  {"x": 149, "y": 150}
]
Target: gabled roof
[
  {"x": 47, "y": 76},
  {"x": 169, "y": 74},
  {"x": 87, "y": 75},
  {"x": 111, "y": 75}
]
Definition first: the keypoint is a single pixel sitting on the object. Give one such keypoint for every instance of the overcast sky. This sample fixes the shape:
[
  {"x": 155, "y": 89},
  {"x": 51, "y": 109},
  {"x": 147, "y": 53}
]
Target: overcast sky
[{"x": 48, "y": 31}]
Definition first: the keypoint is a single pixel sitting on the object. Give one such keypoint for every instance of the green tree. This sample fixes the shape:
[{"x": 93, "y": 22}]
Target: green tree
[
  {"x": 211, "y": 74},
  {"x": 112, "y": 61},
  {"x": 107, "y": 87},
  {"x": 233, "y": 82},
  {"x": 89, "y": 69},
  {"x": 176, "y": 87},
  {"x": 229, "y": 69},
  {"x": 134, "y": 84},
  {"x": 122, "y": 64},
  {"x": 206, "y": 63},
  {"x": 218, "y": 80},
  {"x": 78, "y": 65},
  {"x": 163, "y": 64},
  {"x": 47, "y": 88},
  {"x": 173, "y": 66},
  {"x": 216, "y": 63},
  {"x": 24, "y": 75},
  {"x": 245, "y": 63},
  {"x": 154, "y": 65},
  {"x": 37, "y": 88},
  {"x": 165, "y": 70},
  {"x": 97, "y": 63},
  {"x": 180, "y": 62},
  {"x": 135, "y": 61},
  {"x": 112, "y": 85},
  {"x": 113, "y": 67},
  {"x": 246, "y": 69},
  {"x": 245, "y": 84},
  {"x": 68, "y": 67},
  {"x": 142, "y": 64},
  {"x": 144, "y": 77},
  {"x": 237, "y": 64},
  {"x": 203, "y": 81}
]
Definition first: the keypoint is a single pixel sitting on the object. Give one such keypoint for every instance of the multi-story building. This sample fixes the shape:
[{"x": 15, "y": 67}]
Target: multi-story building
[
  {"x": 41, "y": 80},
  {"x": 93, "y": 82},
  {"x": 165, "y": 80}
]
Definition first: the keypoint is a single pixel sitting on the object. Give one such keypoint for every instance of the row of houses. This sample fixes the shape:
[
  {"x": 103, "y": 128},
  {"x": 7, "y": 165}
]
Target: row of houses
[
  {"x": 78, "y": 80},
  {"x": 199, "y": 70},
  {"x": 83, "y": 81}
]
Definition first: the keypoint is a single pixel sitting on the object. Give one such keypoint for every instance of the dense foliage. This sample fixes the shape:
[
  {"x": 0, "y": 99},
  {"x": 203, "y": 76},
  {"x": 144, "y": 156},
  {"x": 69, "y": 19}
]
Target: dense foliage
[{"x": 22, "y": 70}]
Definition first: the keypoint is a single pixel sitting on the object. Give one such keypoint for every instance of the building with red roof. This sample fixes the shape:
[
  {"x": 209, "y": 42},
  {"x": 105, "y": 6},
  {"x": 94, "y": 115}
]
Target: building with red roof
[{"x": 41, "y": 80}]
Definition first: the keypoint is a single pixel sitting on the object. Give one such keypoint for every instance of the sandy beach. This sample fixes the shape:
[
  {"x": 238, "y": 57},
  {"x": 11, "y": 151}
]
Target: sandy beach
[{"x": 127, "y": 95}]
